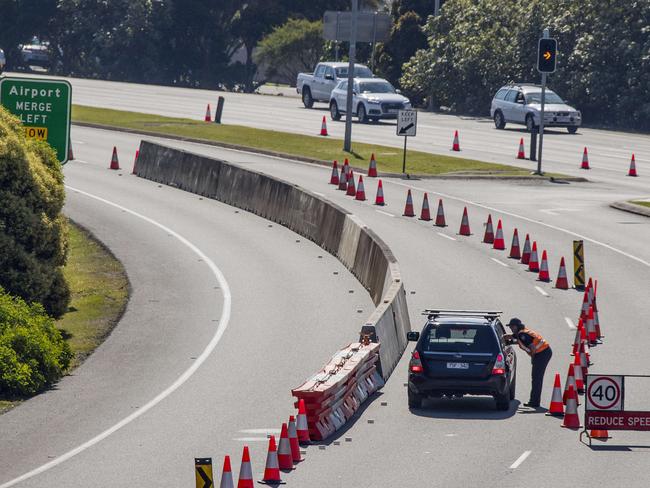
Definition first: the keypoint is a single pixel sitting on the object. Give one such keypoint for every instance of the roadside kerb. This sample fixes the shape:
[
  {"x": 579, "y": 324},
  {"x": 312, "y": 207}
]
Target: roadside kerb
[
  {"x": 632, "y": 208},
  {"x": 331, "y": 227}
]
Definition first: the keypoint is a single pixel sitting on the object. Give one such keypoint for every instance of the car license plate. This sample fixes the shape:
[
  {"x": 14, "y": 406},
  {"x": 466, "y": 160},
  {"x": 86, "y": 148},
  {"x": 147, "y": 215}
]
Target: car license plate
[{"x": 457, "y": 365}]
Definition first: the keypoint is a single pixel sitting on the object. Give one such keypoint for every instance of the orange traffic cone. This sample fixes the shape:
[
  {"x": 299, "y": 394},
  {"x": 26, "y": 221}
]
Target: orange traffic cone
[
  {"x": 632, "y": 171},
  {"x": 533, "y": 263},
  {"x": 599, "y": 334},
  {"x": 584, "y": 311},
  {"x": 272, "y": 468},
  {"x": 293, "y": 440},
  {"x": 379, "y": 199},
  {"x": 592, "y": 336},
  {"x": 571, "y": 419},
  {"x": 464, "y": 224},
  {"x": 440, "y": 215},
  {"x": 488, "y": 238},
  {"x": 208, "y": 117},
  {"x": 115, "y": 164},
  {"x": 245, "y": 471},
  {"x": 585, "y": 160},
  {"x": 372, "y": 169},
  {"x": 323, "y": 127},
  {"x": 301, "y": 423},
  {"x": 226, "y": 476},
  {"x": 585, "y": 357},
  {"x": 578, "y": 371},
  {"x": 408, "y": 209},
  {"x": 499, "y": 243},
  {"x": 334, "y": 179},
  {"x": 543, "y": 269},
  {"x": 351, "y": 191},
  {"x": 285, "y": 458},
  {"x": 135, "y": 161},
  {"x": 525, "y": 254},
  {"x": 521, "y": 154},
  {"x": 425, "y": 214},
  {"x": 361, "y": 191},
  {"x": 569, "y": 383},
  {"x": 456, "y": 145},
  {"x": 600, "y": 434},
  {"x": 557, "y": 406},
  {"x": 580, "y": 335},
  {"x": 515, "y": 252},
  {"x": 343, "y": 178},
  {"x": 562, "y": 282}
]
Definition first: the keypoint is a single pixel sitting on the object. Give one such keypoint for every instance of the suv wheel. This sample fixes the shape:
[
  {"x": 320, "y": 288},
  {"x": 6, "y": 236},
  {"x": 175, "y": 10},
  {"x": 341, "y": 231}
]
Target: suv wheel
[
  {"x": 530, "y": 123},
  {"x": 572, "y": 129},
  {"x": 361, "y": 114},
  {"x": 334, "y": 111},
  {"x": 499, "y": 120},
  {"x": 307, "y": 99},
  {"x": 513, "y": 388},
  {"x": 415, "y": 401}
]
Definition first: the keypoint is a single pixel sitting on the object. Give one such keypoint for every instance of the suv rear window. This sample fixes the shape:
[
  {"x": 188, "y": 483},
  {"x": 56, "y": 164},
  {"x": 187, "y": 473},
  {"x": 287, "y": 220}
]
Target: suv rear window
[{"x": 460, "y": 338}]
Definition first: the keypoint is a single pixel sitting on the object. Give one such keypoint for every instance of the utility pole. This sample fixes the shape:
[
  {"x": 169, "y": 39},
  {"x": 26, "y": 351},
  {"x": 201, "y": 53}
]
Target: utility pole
[
  {"x": 347, "y": 144},
  {"x": 541, "y": 122}
]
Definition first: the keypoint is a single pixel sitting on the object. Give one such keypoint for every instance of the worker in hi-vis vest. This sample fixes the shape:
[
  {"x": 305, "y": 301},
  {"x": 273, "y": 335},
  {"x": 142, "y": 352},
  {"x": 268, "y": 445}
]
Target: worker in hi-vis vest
[{"x": 540, "y": 354}]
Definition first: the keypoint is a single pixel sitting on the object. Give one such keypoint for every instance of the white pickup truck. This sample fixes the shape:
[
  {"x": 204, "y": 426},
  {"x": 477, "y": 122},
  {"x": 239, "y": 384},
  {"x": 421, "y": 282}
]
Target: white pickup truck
[{"x": 318, "y": 86}]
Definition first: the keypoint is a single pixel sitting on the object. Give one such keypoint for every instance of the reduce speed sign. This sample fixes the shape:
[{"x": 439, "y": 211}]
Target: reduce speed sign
[{"x": 604, "y": 393}]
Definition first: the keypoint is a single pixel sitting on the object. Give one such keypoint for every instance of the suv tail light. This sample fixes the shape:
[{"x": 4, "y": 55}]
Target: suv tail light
[
  {"x": 499, "y": 365},
  {"x": 415, "y": 366}
]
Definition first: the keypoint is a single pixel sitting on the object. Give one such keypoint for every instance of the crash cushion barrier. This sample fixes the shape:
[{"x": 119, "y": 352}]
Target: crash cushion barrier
[
  {"x": 333, "y": 395},
  {"x": 317, "y": 219}
]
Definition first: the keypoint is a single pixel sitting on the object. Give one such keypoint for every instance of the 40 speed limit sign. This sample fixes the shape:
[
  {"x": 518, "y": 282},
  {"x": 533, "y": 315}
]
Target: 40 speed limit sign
[{"x": 605, "y": 393}]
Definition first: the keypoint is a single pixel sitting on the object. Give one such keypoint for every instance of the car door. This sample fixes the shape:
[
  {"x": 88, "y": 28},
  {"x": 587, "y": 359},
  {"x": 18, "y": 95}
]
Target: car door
[
  {"x": 508, "y": 350},
  {"x": 508, "y": 105},
  {"x": 317, "y": 85},
  {"x": 329, "y": 81},
  {"x": 519, "y": 109}
]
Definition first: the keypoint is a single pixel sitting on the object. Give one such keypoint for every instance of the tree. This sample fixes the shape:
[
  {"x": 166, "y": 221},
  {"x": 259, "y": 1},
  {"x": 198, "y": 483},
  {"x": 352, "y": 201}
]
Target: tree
[{"x": 291, "y": 48}]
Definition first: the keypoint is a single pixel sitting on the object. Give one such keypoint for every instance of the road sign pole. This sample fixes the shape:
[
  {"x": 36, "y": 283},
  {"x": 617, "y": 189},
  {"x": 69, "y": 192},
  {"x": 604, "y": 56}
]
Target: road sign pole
[
  {"x": 347, "y": 144},
  {"x": 541, "y": 122},
  {"x": 404, "y": 157}
]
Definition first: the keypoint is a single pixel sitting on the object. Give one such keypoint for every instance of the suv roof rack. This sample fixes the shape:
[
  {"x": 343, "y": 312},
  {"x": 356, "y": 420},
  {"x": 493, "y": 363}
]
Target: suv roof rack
[{"x": 432, "y": 313}]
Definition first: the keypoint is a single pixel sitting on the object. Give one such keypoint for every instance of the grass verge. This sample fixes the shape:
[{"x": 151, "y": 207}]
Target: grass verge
[
  {"x": 389, "y": 159},
  {"x": 99, "y": 293},
  {"x": 644, "y": 204}
]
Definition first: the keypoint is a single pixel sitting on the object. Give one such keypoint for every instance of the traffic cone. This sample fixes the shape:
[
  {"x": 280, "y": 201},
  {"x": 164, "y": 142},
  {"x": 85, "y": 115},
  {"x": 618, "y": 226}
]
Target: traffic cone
[
  {"x": 440, "y": 215},
  {"x": 585, "y": 160},
  {"x": 533, "y": 263},
  {"x": 301, "y": 423},
  {"x": 525, "y": 254},
  {"x": 592, "y": 336},
  {"x": 285, "y": 458},
  {"x": 208, "y": 117},
  {"x": 293, "y": 440},
  {"x": 425, "y": 214},
  {"x": 323, "y": 127},
  {"x": 351, "y": 191},
  {"x": 584, "y": 311},
  {"x": 488, "y": 238},
  {"x": 499, "y": 243},
  {"x": 245, "y": 471},
  {"x": 71, "y": 154},
  {"x": 343, "y": 178},
  {"x": 569, "y": 383},
  {"x": 585, "y": 357},
  {"x": 599, "y": 334},
  {"x": 521, "y": 154},
  {"x": 632, "y": 171},
  {"x": 135, "y": 161},
  {"x": 408, "y": 209},
  {"x": 571, "y": 419},
  {"x": 361, "y": 191},
  {"x": 464, "y": 224},
  {"x": 115, "y": 164},
  {"x": 580, "y": 335},
  {"x": 515, "y": 252},
  {"x": 456, "y": 144},
  {"x": 334, "y": 179},
  {"x": 557, "y": 406},
  {"x": 600, "y": 434},
  {"x": 272, "y": 468},
  {"x": 562, "y": 282},
  {"x": 543, "y": 270},
  {"x": 372, "y": 169},
  {"x": 226, "y": 476},
  {"x": 579, "y": 372},
  {"x": 379, "y": 199}
]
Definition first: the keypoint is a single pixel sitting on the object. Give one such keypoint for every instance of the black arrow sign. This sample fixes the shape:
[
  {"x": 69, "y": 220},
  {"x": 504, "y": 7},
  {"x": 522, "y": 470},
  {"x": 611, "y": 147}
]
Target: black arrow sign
[
  {"x": 404, "y": 130},
  {"x": 207, "y": 482}
]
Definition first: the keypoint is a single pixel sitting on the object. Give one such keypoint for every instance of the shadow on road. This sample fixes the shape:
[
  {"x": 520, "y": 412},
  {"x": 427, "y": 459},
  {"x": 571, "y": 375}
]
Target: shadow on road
[
  {"x": 547, "y": 131},
  {"x": 471, "y": 408}
]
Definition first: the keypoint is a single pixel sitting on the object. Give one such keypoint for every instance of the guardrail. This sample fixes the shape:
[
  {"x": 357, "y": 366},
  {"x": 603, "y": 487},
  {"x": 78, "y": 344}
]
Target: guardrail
[{"x": 331, "y": 227}]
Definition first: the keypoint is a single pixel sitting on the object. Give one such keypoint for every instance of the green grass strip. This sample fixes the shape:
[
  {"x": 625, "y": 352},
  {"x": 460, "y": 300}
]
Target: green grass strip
[{"x": 645, "y": 204}]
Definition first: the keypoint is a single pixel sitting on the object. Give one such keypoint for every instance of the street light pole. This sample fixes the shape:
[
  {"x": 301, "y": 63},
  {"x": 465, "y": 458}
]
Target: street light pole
[{"x": 347, "y": 144}]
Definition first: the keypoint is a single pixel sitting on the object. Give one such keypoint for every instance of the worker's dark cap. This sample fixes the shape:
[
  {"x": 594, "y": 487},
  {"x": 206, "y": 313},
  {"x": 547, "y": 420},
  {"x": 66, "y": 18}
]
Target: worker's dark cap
[{"x": 515, "y": 322}]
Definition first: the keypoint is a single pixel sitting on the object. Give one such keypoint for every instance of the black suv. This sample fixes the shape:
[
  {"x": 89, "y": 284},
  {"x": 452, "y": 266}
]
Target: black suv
[{"x": 461, "y": 352}]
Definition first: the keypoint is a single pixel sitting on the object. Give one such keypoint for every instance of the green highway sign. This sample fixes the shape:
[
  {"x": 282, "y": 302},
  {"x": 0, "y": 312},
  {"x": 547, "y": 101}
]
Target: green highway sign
[{"x": 43, "y": 106}]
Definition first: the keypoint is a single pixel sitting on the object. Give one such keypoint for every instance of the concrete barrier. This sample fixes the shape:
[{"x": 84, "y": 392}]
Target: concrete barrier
[{"x": 331, "y": 227}]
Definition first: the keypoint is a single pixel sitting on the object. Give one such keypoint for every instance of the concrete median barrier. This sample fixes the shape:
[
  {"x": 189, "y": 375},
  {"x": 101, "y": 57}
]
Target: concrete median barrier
[{"x": 317, "y": 219}]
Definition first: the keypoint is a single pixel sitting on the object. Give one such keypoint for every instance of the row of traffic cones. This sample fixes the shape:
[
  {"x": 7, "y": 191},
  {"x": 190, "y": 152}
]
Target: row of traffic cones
[
  {"x": 115, "y": 162},
  {"x": 343, "y": 177},
  {"x": 585, "y": 163}
]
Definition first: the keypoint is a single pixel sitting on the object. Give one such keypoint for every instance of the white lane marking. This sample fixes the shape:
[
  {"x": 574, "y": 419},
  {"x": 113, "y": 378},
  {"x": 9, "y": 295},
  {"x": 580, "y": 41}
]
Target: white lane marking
[
  {"x": 260, "y": 431},
  {"x": 81, "y": 143},
  {"x": 570, "y": 323},
  {"x": 187, "y": 374},
  {"x": 554, "y": 211},
  {"x": 80, "y": 161},
  {"x": 451, "y": 435},
  {"x": 251, "y": 439},
  {"x": 446, "y": 236},
  {"x": 520, "y": 460},
  {"x": 385, "y": 213},
  {"x": 537, "y": 288},
  {"x": 500, "y": 262}
]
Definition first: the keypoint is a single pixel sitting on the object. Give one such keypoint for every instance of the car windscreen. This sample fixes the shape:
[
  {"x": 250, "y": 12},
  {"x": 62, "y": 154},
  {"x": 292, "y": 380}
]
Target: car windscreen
[
  {"x": 536, "y": 97},
  {"x": 359, "y": 72},
  {"x": 460, "y": 338},
  {"x": 376, "y": 87}
]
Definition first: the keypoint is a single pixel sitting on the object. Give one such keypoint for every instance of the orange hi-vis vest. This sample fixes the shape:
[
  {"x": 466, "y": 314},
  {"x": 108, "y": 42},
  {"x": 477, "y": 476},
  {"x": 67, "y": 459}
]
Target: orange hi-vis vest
[{"x": 538, "y": 345}]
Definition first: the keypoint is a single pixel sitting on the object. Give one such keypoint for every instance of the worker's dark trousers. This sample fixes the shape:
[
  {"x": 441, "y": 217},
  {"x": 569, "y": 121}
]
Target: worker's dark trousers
[{"x": 539, "y": 361}]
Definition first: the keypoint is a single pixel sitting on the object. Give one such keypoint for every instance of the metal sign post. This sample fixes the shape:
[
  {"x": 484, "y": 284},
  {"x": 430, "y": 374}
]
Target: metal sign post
[
  {"x": 546, "y": 61},
  {"x": 407, "y": 123},
  {"x": 347, "y": 143}
]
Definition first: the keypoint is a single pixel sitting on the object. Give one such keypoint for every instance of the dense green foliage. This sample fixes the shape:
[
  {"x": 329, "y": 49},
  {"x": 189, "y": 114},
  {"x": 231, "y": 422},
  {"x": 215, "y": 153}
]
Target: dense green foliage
[
  {"x": 33, "y": 354},
  {"x": 33, "y": 232},
  {"x": 475, "y": 46}
]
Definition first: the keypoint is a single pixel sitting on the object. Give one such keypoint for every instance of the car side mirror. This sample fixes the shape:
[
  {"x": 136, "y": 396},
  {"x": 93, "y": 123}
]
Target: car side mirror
[
  {"x": 520, "y": 101},
  {"x": 355, "y": 92},
  {"x": 329, "y": 77},
  {"x": 397, "y": 90},
  {"x": 413, "y": 336}
]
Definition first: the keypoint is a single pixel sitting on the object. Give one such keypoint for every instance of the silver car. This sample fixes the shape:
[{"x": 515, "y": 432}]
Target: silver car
[
  {"x": 521, "y": 104},
  {"x": 3, "y": 60},
  {"x": 372, "y": 99}
]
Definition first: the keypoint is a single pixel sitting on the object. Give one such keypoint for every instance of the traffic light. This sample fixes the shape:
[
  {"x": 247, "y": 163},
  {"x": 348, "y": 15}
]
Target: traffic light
[{"x": 546, "y": 55}]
